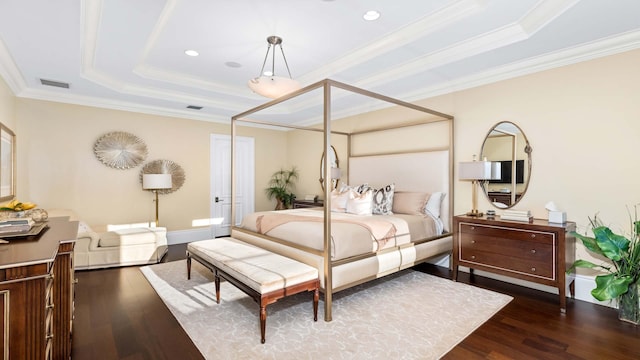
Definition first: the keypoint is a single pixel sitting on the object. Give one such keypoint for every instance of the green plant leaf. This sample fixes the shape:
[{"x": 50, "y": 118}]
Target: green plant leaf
[
  {"x": 613, "y": 246},
  {"x": 590, "y": 243},
  {"x": 584, "y": 264},
  {"x": 610, "y": 287}
]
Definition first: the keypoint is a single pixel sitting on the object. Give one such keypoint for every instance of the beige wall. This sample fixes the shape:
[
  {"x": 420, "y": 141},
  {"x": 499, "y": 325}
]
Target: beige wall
[
  {"x": 58, "y": 169},
  {"x": 7, "y": 106},
  {"x": 583, "y": 122}
]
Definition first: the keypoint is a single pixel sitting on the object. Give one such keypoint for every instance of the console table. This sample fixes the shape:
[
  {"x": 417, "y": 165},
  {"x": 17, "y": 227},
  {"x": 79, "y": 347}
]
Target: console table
[
  {"x": 536, "y": 251},
  {"x": 502, "y": 197},
  {"x": 298, "y": 204},
  {"x": 36, "y": 293}
]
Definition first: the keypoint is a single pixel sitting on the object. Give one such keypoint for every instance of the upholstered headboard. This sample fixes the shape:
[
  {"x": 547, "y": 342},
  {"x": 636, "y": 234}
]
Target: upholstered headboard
[{"x": 420, "y": 171}]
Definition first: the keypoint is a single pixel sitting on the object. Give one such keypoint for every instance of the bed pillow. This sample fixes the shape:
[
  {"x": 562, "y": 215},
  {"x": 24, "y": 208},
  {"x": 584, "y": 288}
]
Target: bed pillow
[
  {"x": 407, "y": 202},
  {"x": 383, "y": 200},
  {"x": 434, "y": 204},
  {"x": 361, "y": 189},
  {"x": 360, "y": 204},
  {"x": 339, "y": 200}
]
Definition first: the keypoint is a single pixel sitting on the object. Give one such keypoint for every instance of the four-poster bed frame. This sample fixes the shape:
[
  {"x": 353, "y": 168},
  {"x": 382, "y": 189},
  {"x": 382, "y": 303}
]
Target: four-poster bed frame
[{"x": 444, "y": 159}]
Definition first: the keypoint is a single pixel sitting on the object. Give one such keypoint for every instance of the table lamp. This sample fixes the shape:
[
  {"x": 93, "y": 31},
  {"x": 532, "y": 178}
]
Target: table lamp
[
  {"x": 155, "y": 182},
  {"x": 476, "y": 171}
]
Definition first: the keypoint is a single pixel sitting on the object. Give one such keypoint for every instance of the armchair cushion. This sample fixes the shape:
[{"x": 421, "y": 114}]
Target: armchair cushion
[{"x": 124, "y": 237}]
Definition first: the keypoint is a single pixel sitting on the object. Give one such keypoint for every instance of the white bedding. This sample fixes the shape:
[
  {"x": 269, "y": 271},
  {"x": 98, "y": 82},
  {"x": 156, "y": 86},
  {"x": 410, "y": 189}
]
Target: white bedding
[{"x": 351, "y": 234}]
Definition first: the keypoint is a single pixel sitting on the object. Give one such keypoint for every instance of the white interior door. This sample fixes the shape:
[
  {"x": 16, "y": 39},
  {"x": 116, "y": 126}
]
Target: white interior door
[{"x": 221, "y": 181}]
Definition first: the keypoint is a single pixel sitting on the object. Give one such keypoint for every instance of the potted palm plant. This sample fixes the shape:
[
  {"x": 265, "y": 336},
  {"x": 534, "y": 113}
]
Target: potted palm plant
[
  {"x": 281, "y": 185},
  {"x": 621, "y": 279}
]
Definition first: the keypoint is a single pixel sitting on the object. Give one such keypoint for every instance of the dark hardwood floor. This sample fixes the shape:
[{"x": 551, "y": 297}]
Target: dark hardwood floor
[{"x": 119, "y": 316}]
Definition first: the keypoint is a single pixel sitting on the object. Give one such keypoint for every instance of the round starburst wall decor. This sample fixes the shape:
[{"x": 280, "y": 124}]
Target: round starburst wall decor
[
  {"x": 165, "y": 167},
  {"x": 120, "y": 150}
]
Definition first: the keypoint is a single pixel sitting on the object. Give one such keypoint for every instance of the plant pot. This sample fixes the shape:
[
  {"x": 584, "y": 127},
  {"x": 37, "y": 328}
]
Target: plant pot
[
  {"x": 280, "y": 205},
  {"x": 629, "y": 305}
]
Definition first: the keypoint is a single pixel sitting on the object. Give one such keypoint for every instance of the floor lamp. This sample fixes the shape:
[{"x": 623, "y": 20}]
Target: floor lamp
[
  {"x": 156, "y": 182},
  {"x": 478, "y": 171}
]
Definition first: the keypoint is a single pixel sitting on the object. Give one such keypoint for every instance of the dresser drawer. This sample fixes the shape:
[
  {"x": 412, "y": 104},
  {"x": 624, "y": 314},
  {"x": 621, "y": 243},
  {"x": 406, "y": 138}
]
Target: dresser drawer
[
  {"x": 507, "y": 233},
  {"x": 521, "y": 249},
  {"x": 541, "y": 268}
]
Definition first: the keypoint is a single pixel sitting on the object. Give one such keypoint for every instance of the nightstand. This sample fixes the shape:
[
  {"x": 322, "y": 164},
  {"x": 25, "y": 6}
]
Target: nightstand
[
  {"x": 537, "y": 251},
  {"x": 299, "y": 204}
]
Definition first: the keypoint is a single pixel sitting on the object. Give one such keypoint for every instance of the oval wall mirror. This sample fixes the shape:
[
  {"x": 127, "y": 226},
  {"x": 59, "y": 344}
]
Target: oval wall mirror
[
  {"x": 506, "y": 143},
  {"x": 333, "y": 164}
]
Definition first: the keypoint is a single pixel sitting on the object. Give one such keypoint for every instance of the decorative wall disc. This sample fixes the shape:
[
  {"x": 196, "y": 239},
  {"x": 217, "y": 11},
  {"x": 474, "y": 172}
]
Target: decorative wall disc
[
  {"x": 120, "y": 150},
  {"x": 165, "y": 167}
]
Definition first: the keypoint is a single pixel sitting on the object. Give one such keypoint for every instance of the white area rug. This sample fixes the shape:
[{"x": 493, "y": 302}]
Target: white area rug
[{"x": 409, "y": 315}]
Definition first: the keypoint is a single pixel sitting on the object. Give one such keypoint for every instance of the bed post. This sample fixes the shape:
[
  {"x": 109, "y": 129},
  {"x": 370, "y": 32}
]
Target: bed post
[
  {"x": 328, "y": 281},
  {"x": 233, "y": 172}
]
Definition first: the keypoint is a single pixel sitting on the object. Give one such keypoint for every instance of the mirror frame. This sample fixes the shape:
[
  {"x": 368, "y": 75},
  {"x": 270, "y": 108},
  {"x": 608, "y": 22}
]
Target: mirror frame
[
  {"x": 7, "y": 163},
  {"x": 334, "y": 164},
  {"x": 515, "y": 198}
]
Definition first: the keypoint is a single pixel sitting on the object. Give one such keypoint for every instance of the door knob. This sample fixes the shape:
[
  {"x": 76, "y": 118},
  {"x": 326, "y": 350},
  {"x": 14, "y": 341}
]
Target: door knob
[{"x": 217, "y": 199}]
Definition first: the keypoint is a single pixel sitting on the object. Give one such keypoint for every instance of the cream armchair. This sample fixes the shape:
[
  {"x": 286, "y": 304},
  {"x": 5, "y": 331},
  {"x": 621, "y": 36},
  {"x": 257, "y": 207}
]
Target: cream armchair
[{"x": 134, "y": 246}]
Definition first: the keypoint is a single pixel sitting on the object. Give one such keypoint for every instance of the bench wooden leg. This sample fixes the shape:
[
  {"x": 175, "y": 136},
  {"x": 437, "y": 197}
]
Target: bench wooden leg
[
  {"x": 263, "y": 322},
  {"x": 316, "y": 297},
  {"x": 188, "y": 266},
  {"x": 216, "y": 278}
]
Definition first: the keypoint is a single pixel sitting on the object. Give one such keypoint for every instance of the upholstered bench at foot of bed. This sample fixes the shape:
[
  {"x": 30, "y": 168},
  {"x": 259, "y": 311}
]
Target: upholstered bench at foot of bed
[{"x": 261, "y": 274}]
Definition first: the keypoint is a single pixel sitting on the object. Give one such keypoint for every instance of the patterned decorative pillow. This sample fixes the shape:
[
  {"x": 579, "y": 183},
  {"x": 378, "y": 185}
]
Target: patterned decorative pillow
[
  {"x": 361, "y": 189},
  {"x": 383, "y": 200}
]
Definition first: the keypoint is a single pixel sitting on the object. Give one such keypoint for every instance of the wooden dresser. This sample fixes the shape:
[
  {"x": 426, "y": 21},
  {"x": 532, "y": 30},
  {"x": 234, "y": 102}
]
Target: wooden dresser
[
  {"x": 536, "y": 251},
  {"x": 36, "y": 293}
]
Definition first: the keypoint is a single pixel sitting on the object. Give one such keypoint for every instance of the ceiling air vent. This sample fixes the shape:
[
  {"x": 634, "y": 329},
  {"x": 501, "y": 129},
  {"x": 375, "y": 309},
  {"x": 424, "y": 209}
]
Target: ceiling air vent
[
  {"x": 54, "y": 83},
  {"x": 194, "y": 107}
]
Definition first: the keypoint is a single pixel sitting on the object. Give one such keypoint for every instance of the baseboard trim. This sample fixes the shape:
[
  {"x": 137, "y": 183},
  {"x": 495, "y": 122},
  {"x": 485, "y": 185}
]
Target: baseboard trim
[{"x": 583, "y": 283}]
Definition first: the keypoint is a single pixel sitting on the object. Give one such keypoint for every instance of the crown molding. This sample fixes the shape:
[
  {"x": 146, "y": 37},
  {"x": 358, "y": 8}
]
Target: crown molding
[
  {"x": 120, "y": 105},
  {"x": 606, "y": 47}
]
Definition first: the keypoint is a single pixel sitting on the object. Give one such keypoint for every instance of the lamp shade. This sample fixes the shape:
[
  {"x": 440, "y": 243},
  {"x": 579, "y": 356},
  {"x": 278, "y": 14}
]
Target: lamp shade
[
  {"x": 478, "y": 170},
  {"x": 336, "y": 173},
  {"x": 156, "y": 181},
  {"x": 273, "y": 86}
]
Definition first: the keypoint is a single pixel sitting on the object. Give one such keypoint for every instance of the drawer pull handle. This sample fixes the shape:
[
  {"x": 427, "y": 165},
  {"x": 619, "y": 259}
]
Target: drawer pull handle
[
  {"x": 472, "y": 227},
  {"x": 473, "y": 241},
  {"x": 533, "y": 251},
  {"x": 473, "y": 256},
  {"x": 49, "y": 336},
  {"x": 533, "y": 235},
  {"x": 533, "y": 269},
  {"x": 75, "y": 281}
]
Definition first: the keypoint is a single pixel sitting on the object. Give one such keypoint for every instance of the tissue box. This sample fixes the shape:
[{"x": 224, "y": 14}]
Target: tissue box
[{"x": 559, "y": 217}]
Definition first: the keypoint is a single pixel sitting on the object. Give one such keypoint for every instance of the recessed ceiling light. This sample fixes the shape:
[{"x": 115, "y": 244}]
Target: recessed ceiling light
[
  {"x": 233, "y": 64},
  {"x": 371, "y": 15},
  {"x": 191, "y": 52}
]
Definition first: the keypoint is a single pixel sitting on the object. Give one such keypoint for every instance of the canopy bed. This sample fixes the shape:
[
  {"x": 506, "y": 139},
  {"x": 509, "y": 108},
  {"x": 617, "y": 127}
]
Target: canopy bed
[{"x": 410, "y": 188}]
